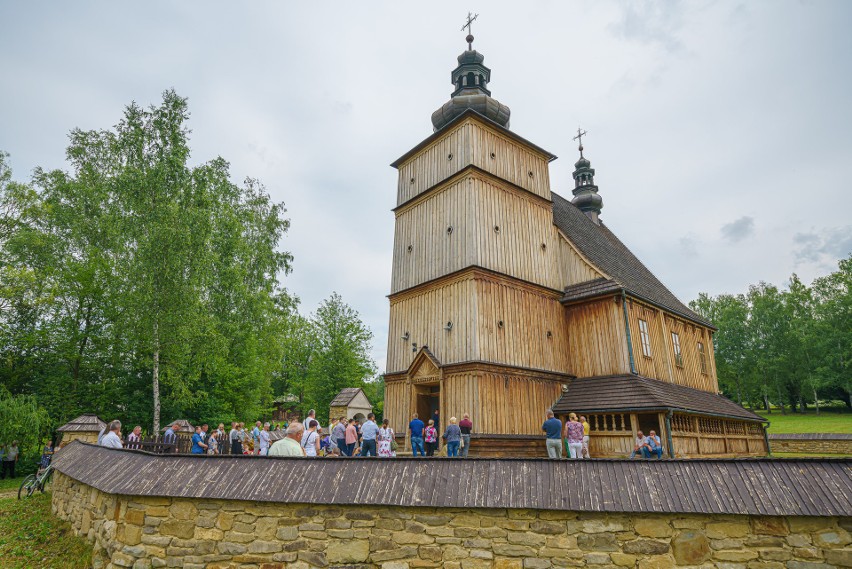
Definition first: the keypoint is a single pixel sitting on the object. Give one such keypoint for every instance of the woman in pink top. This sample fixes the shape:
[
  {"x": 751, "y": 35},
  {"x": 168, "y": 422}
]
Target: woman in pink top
[
  {"x": 351, "y": 438},
  {"x": 574, "y": 434}
]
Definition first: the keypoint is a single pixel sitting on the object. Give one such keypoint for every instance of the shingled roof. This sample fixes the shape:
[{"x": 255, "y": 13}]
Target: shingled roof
[
  {"x": 773, "y": 487},
  {"x": 85, "y": 423},
  {"x": 600, "y": 246},
  {"x": 345, "y": 397},
  {"x": 637, "y": 393}
]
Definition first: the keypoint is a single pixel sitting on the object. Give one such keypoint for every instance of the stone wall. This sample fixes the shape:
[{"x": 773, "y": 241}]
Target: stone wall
[
  {"x": 142, "y": 532},
  {"x": 824, "y": 444}
]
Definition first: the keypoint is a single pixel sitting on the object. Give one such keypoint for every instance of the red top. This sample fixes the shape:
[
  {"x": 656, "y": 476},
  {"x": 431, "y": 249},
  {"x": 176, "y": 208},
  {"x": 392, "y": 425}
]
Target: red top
[{"x": 465, "y": 425}]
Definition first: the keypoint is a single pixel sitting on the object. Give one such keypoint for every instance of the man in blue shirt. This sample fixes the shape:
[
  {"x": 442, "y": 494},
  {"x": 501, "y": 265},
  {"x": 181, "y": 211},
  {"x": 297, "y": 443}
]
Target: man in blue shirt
[
  {"x": 652, "y": 446},
  {"x": 369, "y": 430},
  {"x": 198, "y": 446},
  {"x": 553, "y": 429},
  {"x": 170, "y": 437},
  {"x": 416, "y": 427}
]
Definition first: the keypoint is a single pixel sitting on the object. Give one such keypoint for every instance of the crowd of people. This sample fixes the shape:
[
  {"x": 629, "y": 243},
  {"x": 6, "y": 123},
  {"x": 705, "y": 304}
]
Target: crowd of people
[{"x": 351, "y": 437}]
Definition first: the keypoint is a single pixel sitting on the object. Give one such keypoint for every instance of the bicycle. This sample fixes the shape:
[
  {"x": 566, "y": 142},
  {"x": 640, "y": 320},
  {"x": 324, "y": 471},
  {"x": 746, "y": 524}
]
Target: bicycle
[{"x": 33, "y": 482}]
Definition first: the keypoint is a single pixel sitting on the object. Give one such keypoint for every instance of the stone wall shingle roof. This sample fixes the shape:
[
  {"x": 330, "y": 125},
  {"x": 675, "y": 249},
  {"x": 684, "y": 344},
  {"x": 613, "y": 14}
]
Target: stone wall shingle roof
[{"x": 598, "y": 244}]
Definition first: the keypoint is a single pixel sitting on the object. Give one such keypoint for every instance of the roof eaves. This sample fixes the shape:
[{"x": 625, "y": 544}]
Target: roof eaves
[{"x": 470, "y": 112}]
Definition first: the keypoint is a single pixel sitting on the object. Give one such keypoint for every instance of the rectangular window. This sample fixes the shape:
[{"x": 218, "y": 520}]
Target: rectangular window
[
  {"x": 646, "y": 338},
  {"x": 676, "y": 345},
  {"x": 702, "y": 357}
]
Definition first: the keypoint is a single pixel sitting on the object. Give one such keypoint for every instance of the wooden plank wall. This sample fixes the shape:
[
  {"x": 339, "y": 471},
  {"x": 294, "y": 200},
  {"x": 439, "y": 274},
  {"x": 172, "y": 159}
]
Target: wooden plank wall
[
  {"x": 597, "y": 343},
  {"x": 397, "y": 396},
  {"x": 572, "y": 268},
  {"x": 661, "y": 364},
  {"x": 527, "y": 316},
  {"x": 473, "y": 142},
  {"x": 424, "y": 314},
  {"x": 476, "y": 220},
  {"x": 500, "y": 403},
  {"x": 476, "y": 306}
]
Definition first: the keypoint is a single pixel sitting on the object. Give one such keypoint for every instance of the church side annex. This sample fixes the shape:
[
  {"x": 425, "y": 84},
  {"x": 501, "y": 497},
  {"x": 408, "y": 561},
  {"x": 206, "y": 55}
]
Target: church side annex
[{"x": 507, "y": 299}]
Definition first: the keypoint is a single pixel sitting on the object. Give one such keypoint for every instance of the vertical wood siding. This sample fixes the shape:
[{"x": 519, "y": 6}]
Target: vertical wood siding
[
  {"x": 476, "y": 306},
  {"x": 472, "y": 143},
  {"x": 476, "y": 220},
  {"x": 500, "y": 403},
  {"x": 397, "y": 394},
  {"x": 573, "y": 269},
  {"x": 597, "y": 343}
]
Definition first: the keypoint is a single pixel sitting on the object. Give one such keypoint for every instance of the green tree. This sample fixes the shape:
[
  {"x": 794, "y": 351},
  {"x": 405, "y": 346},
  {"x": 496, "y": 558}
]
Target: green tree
[
  {"x": 342, "y": 354},
  {"x": 22, "y": 420}
]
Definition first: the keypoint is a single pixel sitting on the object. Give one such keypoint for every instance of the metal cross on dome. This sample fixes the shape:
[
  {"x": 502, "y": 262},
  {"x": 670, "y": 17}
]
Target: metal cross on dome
[
  {"x": 580, "y": 134},
  {"x": 470, "y": 18}
]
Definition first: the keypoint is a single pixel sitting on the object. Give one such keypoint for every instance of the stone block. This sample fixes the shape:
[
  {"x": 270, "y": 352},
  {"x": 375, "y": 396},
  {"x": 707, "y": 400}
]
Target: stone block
[
  {"x": 511, "y": 550},
  {"x": 133, "y": 516},
  {"x": 735, "y": 555},
  {"x": 807, "y": 565},
  {"x": 798, "y": 540},
  {"x": 395, "y": 565},
  {"x": 429, "y": 552},
  {"x": 313, "y": 558},
  {"x": 808, "y": 524},
  {"x": 178, "y": 528},
  {"x": 343, "y": 551},
  {"x": 764, "y": 541},
  {"x": 690, "y": 547},
  {"x": 381, "y": 543},
  {"x": 775, "y": 554},
  {"x": 508, "y": 564},
  {"x": 493, "y": 532},
  {"x": 481, "y": 553},
  {"x": 122, "y": 559},
  {"x": 769, "y": 525},
  {"x": 265, "y": 528},
  {"x": 832, "y": 538},
  {"x": 465, "y": 532},
  {"x": 406, "y": 538},
  {"x": 623, "y": 559},
  {"x": 287, "y": 533},
  {"x": 652, "y": 527},
  {"x": 657, "y": 562},
  {"x": 339, "y": 523},
  {"x": 183, "y": 510},
  {"x": 601, "y": 526},
  {"x": 406, "y": 552},
  {"x": 595, "y": 542},
  {"x": 839, "y": 557},
  {"x": 455, "y": 553},
  {"x": 471, "y": 563},
  {"x": 721, "y": 530},
  {"x": 225, "y": 521},
  {"x": 209, "y": 533},
  {"x": 596, "y": 559},
  {"x": 535, "y": 563},
  {"x": 132, "y": 534},
  {"x": 642, "y": 547},
  {"x": 547, "y": 527},
  {"x": 433, "y": 519},
  {"x": 259, "y": 546},
  {"x": 531, "y": 539},
  {"x": 343, "y": 534}
]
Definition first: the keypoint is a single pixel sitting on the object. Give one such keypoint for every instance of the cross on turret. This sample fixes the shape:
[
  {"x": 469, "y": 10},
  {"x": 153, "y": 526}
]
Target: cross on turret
[
  {"x": 580, "y": 134},
  {"x": 470, "y": 18}
]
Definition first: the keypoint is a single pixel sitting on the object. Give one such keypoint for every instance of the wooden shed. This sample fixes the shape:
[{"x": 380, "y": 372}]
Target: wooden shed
[
  {"x": 183, "y": 426},
  {"x": 351, "y": 403},
  {"x": 84, "y": 428},
  {"x": 286, "y": 408}
]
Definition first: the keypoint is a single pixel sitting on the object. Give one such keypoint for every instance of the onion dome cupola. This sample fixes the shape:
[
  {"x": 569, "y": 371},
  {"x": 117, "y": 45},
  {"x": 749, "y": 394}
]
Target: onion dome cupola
[
  {"x": 585, "y": 191},
  {"x": 470, "y": 80}
]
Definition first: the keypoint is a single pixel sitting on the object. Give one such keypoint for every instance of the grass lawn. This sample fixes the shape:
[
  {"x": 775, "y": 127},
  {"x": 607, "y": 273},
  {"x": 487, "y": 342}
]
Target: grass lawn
[
  {"x": 831, "y": 421},
  {"x": 30, "y": 536}
]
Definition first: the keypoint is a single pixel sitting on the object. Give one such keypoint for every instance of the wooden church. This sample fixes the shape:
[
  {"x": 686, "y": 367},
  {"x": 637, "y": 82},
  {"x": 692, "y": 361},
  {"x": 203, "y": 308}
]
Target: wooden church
[{"x": 508, "y": 299}]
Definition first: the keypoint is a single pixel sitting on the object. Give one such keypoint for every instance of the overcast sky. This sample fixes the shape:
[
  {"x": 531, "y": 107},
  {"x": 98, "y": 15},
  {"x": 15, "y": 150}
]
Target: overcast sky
[{"x": 720, "y": 131}]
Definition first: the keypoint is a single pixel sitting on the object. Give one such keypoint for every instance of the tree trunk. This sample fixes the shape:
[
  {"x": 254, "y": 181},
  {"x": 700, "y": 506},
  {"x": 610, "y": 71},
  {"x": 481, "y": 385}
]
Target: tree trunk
[
  {"x": 766, "y": 403},
  {"x": 155, "y": 378},
  {"x": 780, "y": 399},
  {"x": 816, "y": 400}
]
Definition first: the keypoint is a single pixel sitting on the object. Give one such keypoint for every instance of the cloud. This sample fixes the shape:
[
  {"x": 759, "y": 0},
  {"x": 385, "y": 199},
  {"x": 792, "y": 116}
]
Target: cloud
[
  {"x": 825, "y": 246},
  {"x": 738, "y": 229},
  {"x": 651, "y": 22}
]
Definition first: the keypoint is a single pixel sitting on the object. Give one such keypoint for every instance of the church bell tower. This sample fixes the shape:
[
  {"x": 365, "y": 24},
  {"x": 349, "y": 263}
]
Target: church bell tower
[{"x": 475, "y": 320}]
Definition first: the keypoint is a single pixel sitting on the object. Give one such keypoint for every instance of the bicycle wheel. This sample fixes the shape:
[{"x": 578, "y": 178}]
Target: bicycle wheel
[
  {"x": 42, "y": 485},
  {"x": 27, "y": 487}
]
